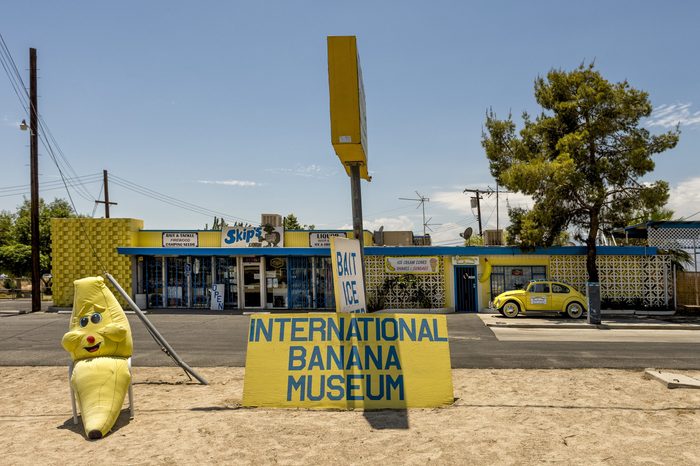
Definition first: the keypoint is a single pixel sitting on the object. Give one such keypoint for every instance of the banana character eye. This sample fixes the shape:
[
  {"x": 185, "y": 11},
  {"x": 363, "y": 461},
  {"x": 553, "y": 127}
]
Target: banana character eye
[
  {"x": 84, "y": 321},
  {"x": 95, "y": 318}
]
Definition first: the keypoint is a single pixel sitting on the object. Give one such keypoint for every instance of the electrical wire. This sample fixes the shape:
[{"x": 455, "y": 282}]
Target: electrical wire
[
  {"x": 94, "y": 209},
  {"x": 167, "y": 199},
  {"x": 49, "y": 142}
]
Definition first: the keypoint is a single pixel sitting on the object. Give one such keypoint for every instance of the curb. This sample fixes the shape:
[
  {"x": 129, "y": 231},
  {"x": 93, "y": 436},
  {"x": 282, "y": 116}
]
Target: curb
[{"x": 600, "y": 326}]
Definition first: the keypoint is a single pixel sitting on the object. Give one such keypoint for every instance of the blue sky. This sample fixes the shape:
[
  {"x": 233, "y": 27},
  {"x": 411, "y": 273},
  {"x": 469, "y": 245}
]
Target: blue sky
[{"x": 225, "y": 104}]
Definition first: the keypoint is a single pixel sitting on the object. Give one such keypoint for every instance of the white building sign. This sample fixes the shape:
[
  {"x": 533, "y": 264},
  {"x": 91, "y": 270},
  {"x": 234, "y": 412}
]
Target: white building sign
[
  {"x": 321, "y": 239},
  {"x": 429, "y": 264},
  {"x": 180, "y": 240}
]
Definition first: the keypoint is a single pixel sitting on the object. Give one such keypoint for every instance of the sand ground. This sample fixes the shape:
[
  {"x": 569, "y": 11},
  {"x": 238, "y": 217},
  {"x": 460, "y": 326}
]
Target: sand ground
[{"x": 588, "y": 416}]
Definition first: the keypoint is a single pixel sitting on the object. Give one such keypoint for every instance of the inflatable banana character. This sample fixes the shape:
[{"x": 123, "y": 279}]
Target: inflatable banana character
[{"x": 99, "y": 342}]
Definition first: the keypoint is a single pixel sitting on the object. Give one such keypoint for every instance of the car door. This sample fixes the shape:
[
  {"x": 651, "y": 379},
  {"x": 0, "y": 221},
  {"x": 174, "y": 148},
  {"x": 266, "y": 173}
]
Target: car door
[
  {"x": 560, "y": 293},
  {"x": 539, "y": 297}
]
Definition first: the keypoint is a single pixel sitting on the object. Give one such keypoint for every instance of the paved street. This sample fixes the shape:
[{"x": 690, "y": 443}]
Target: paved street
[{"x": 220, "y": 340}]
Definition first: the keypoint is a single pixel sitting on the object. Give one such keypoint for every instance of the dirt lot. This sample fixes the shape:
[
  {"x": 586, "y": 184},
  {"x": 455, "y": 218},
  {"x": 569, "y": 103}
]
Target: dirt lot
[{"x": 583, "y": 416}]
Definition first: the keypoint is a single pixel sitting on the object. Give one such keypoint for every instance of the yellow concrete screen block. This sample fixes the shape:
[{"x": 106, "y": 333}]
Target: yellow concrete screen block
[{"x": 343, "y": 361}]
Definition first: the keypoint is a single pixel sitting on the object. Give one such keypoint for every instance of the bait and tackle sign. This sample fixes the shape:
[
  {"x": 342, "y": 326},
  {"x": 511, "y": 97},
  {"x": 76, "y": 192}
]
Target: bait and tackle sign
[{"x": 347, "y": 361}]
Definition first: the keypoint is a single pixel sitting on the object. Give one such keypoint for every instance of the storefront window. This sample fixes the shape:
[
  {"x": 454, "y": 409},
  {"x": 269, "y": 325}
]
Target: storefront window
[
  {"x": 507, "y": 278},
  {"x": 276, "y": 282}
]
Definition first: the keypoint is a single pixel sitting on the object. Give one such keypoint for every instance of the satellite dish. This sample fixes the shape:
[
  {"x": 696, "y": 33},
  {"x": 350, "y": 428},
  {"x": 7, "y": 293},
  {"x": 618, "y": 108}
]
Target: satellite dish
[{"x": 467, "y": 233}]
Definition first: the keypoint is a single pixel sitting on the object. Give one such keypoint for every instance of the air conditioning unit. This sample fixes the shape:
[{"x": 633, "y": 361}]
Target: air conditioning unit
[
  {"x": 274, "y": 220},
  {"x": 493, "y": 237}
]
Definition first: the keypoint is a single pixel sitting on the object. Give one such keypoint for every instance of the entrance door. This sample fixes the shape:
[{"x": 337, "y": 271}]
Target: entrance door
[
  {"x": 251, "y": 282},
  {"x": 465, "y": 288},
  {"x": 227, "y": 273}
]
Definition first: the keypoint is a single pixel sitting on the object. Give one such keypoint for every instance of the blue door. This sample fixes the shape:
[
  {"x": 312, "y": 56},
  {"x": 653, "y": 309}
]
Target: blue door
[{"x": 465, "y": 288}]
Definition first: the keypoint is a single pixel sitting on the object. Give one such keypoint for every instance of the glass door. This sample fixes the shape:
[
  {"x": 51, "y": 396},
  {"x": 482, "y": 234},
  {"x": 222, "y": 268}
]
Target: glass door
[
  {"x": 227, "y": 275},
  {"x": 201, "y": 281},
  {"x": 176, "y": 289},
  {"x": 251, "y": 282}
]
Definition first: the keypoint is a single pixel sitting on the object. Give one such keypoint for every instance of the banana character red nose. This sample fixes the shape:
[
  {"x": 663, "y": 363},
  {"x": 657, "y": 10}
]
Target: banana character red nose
[{"x": 91, "y": 339}]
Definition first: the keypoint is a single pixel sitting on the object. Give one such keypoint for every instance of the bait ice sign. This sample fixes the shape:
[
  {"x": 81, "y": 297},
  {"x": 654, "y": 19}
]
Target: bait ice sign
[{"x": 348, "y": 280}]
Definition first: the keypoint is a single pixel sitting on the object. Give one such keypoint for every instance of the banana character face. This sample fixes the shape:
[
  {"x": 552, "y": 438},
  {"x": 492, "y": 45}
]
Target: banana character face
[{"x": 98, "y": 324}]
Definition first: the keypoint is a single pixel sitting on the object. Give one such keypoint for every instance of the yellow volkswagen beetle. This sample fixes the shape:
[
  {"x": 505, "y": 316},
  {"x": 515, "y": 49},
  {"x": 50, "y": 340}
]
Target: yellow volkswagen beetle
[{"x": 542, "y": 295}]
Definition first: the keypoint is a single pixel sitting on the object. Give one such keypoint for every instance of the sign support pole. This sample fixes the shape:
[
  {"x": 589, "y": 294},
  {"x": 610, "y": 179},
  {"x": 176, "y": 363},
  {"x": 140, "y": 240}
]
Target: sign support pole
[{"x": 356, "y": 193}]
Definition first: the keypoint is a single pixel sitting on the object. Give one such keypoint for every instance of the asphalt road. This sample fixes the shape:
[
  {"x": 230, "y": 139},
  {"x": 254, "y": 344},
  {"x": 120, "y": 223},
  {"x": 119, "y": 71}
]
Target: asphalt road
[{"x": 220, "y": 340}]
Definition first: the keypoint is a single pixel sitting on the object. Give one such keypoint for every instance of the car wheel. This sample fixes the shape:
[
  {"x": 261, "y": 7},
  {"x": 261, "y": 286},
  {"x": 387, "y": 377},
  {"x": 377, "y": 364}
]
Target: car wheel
[
  {"x": 511, "y": 309},
  {"x": 574, "y": 310}
]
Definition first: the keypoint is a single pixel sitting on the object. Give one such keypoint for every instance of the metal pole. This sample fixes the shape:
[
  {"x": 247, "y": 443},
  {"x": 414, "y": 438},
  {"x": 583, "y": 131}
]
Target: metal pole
[
  {"x": 34, "y": 175},
  {"x": 695, "y": 275},
  {"x": 356, "y": 193},
  {"x": 478, "y": 211},
  {"x": 154, "y": 332},
  {"x": 496, "y": 206},
  {"x": 106, "y": 183}
]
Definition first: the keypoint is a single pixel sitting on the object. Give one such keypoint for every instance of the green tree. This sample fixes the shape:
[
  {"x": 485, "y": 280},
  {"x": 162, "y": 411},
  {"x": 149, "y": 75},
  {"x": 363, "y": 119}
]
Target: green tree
[
  {"x": 291, "y": 222},
  {"x": 581, "y": 159},
  {"x": 16, "y": 236},
  {"x": 7, "y": 222},
  {"x": 16, "y": 260}
]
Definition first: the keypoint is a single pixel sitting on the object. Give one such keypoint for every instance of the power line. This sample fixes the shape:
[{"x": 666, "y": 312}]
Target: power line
[{"x": 150, "y": 193}]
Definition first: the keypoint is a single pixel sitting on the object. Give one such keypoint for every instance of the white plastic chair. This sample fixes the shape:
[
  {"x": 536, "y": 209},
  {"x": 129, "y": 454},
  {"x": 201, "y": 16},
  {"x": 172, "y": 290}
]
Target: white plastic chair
[{"x": 72, "y": 395}]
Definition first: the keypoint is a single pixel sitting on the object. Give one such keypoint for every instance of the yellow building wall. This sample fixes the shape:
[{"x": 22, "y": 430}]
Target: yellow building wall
[
  {"x": 212, "y": 239},
  {"x": 449, "y": 277},
  {"x": 73, "y": 257}
]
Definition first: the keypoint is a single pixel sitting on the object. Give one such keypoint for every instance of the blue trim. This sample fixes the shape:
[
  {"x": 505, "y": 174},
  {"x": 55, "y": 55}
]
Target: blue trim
[{"x": 394, "y": 251}]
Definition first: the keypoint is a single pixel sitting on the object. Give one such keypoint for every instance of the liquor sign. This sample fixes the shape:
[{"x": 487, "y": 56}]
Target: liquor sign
[
  {"x": 320, "y": 239},
  {"x": 429, "y": 264},
  {"x": 180, "y": 239}
]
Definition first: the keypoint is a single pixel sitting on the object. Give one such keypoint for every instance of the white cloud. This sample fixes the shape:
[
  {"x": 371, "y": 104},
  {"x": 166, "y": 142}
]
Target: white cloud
[
  {"x": 400, "y": 223},
  {"x": 684, "y": 198},
  {"x": 240, "y": 183},
  {"x": 461, "y": 202},
  {"x": 668, "y": 116},
  {"x": 308, "y": 171}
]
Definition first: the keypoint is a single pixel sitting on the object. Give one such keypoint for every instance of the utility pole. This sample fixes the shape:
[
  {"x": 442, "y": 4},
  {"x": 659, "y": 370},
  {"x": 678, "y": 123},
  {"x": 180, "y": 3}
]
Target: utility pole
[
  {"x": 106, "y": 201},
  {"x": 477, "y": 195},
  {"x": 478, "y": 198},
  {"x": 34, "y": 176}
]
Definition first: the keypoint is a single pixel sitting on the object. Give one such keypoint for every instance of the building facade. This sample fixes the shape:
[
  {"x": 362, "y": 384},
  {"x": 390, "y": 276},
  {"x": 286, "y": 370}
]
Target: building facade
[{"x": 267, "y": 268}]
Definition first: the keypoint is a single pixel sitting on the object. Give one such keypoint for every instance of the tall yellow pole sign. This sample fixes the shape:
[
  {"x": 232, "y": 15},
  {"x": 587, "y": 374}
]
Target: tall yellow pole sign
[{"x": 347, "y": 99}]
